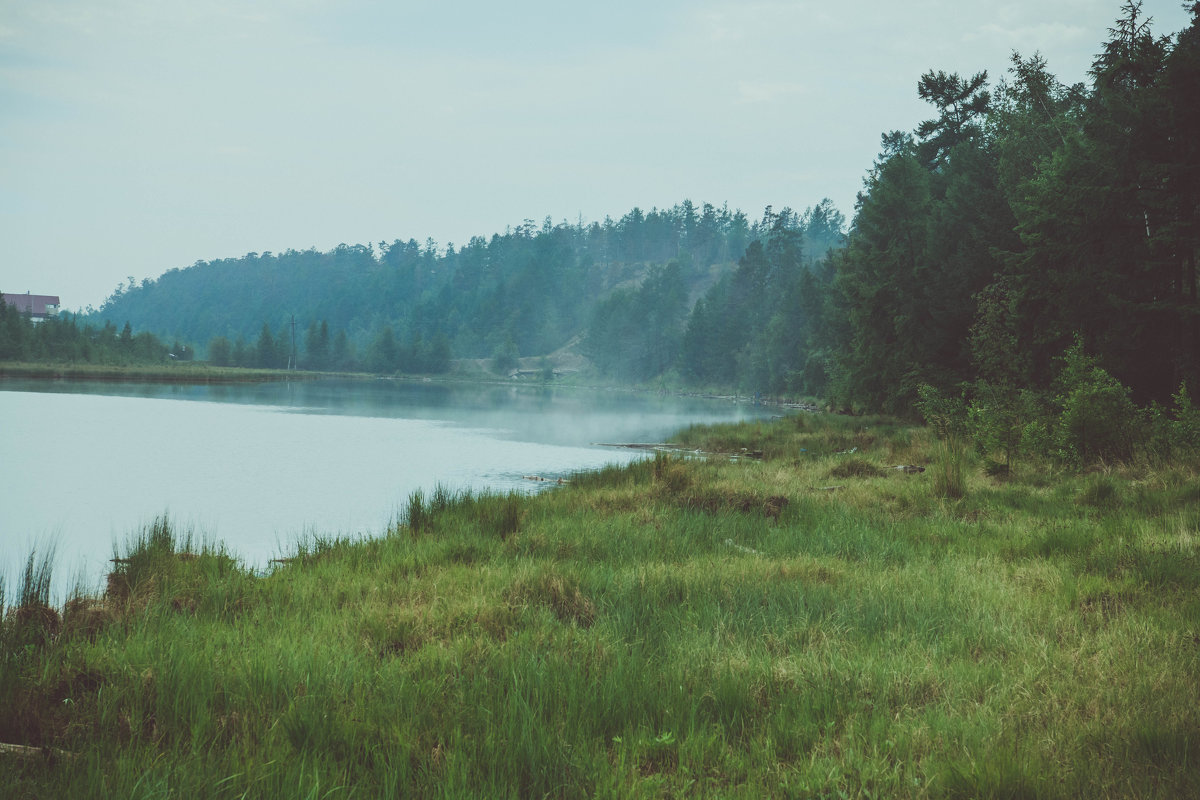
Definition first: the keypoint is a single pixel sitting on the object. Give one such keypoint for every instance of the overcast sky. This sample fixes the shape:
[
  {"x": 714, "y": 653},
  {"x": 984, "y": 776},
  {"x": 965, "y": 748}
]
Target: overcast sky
[{"x": 141, "y": 135}]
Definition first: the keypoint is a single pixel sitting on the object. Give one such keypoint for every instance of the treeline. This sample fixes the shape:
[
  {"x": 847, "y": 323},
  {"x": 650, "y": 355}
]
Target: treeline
[
  {"x": 316, "y": 349},
  {"x": 65, "y": 339},
  {"x": 531, "y": 289}
]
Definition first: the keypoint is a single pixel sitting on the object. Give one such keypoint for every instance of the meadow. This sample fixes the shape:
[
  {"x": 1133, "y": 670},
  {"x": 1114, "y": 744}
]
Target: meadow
[{"x": 800, "y": 616}]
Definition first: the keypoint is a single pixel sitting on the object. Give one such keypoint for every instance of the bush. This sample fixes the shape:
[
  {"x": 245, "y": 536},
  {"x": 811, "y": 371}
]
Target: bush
[
  {"x": 1099, "y": 420},
  {"x": 946, "y": 415},
  {"x": 996, "y": 421}
]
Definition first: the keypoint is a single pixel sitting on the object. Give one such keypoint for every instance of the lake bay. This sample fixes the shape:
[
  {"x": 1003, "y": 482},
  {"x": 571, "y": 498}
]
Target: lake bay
[{"x": 258, "y": 467}]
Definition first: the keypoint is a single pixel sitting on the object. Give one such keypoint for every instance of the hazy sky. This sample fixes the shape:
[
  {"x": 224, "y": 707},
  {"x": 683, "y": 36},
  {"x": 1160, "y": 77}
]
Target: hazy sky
[{"x": 141, "y": 135}]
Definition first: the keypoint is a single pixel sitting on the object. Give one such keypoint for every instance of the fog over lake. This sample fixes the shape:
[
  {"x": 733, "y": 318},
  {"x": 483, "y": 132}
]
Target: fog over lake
[{"x": 84, "y": 465}]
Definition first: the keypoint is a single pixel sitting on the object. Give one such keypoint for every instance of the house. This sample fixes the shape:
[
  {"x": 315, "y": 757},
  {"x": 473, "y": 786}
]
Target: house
[{"x": 38, "y": 306}]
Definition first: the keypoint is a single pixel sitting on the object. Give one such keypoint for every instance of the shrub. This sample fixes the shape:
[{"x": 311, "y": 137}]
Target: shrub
[
  {"x": 1099, "y": 420},
  {"x": 946, "y": 415},
  {"x": 1185, "y": 427}
]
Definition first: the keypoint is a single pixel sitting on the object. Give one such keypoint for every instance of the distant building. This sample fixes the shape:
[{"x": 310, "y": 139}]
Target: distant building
[{"x": 38, "y": 306}]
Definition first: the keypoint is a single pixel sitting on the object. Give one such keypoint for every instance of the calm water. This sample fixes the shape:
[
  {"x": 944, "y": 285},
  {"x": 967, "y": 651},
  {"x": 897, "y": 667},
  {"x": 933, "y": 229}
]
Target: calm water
[{"x": 258, "y": 467}]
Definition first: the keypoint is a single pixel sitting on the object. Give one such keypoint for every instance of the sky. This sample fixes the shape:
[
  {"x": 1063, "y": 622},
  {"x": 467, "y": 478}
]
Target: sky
[{"x": 138, "y": 136}]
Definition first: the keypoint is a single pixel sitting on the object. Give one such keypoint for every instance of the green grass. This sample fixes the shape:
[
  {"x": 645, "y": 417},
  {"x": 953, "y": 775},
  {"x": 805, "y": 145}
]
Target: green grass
[{"x": 677, "y": 628}]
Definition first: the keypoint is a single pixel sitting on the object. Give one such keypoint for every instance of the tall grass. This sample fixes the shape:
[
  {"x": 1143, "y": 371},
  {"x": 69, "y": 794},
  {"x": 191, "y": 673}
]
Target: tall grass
[{"x": 950, "y": 469}]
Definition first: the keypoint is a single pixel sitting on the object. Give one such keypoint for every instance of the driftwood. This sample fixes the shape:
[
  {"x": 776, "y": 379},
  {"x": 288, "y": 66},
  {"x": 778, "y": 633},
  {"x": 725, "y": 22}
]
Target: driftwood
[
  {"x": 668, "y": 447},
  {"x": 642, "y": 445},
  {"x": 540, "y": 479},
  {"x": 742, "y": 548},
  {"x": 25, "y": 751}
]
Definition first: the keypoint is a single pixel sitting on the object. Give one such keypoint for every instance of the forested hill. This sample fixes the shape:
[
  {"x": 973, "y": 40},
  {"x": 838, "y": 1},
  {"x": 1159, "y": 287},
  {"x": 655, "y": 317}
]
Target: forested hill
[
  {"x": 527, "y": 291},
  {"x": 1025, "y": 230}
]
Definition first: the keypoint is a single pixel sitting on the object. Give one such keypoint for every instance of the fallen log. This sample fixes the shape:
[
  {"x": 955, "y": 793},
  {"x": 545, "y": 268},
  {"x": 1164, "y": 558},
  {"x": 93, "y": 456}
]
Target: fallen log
[
  {"x": 25, "y": 751},
  {"x": 642, "y": 445},
  {"x": 540, "y": 479},
  {"x": 742, "y": 548},
  {"x": 679, "y": 448}
]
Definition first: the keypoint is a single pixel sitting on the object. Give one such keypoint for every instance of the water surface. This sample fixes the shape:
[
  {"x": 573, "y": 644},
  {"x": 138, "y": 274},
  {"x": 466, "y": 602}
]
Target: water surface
[{"x": 257, "y": 467}]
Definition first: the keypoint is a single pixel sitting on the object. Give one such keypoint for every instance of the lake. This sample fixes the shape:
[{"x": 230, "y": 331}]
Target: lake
[{"x": 258, "y": 467}]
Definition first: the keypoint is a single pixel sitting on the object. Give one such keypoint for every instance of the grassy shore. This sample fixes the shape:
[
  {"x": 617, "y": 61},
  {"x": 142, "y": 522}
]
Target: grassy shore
[
  {"x": 811, "y": 623},
  {"x": 181, "y": 372}
]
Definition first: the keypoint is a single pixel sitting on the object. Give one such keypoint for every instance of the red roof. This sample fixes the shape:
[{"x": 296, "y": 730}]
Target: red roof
[{"x": 32, "y": 304}]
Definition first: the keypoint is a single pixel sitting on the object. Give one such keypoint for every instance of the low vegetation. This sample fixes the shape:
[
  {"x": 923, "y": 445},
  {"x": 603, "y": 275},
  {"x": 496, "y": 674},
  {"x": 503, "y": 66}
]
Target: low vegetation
[
  {"x": 823, "y": 620},
  {"x": 187, "y": 372}
]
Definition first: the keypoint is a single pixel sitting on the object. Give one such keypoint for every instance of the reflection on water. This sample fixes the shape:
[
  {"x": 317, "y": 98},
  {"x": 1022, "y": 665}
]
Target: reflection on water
[{"x": 258, "y": 465}]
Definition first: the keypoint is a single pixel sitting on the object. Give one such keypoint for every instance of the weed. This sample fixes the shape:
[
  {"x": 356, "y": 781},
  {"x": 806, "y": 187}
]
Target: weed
[
  {"x": 949, "y": 470},
  {"x": 856, "y": 468},
  {"x": 1100, "y": 491},
  {"x": 418, "y": 516}
]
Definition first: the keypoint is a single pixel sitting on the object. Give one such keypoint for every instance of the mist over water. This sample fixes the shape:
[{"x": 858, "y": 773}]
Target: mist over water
[{"x": 257, "y": 467}]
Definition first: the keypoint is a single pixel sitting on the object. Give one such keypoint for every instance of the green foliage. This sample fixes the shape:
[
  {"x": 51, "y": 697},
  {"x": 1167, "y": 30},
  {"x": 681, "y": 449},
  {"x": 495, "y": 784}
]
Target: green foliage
[
  {"x": 506, "y": 357},
  {"x": 945, "y": 414},
  {"x": 1006, "y": 422},
  {"x": 1099, "y": 420},
  {"x": 539, "y": 285},
  {"x": 63, "y": 339},
  {"x": 764, "y": 328},
  {"x": 220, "y": 352},
  {"x": 1185, "y": 425},
  {"x": 1100, "y": 491},
  {"x": 960, "y": 103},
  {"x": 1089, "y": 417},
  {"x": 856, "y": 468},
  {"x": 418, "y": 517},
  {"x": 635, "y": 333}
]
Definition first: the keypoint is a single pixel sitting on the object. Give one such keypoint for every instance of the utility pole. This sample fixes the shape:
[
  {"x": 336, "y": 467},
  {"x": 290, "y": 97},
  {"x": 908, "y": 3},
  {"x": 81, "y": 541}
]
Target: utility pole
[{"x": 293, "y": 365}]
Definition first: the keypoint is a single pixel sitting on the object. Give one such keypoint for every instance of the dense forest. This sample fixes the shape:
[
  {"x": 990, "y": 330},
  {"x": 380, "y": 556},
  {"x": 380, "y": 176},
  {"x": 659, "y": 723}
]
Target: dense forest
[
  {"x": 65, "y": 339},
  {"x": 411, "y": 307},
  {"x": 1018, "y": 228},
  {"x": 1016, "y": 221},
  {"x": 1025, "y": 224}
]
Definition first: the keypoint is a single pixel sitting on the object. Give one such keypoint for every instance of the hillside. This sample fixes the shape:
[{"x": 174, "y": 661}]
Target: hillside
[{"x": 530, "y": 288}]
